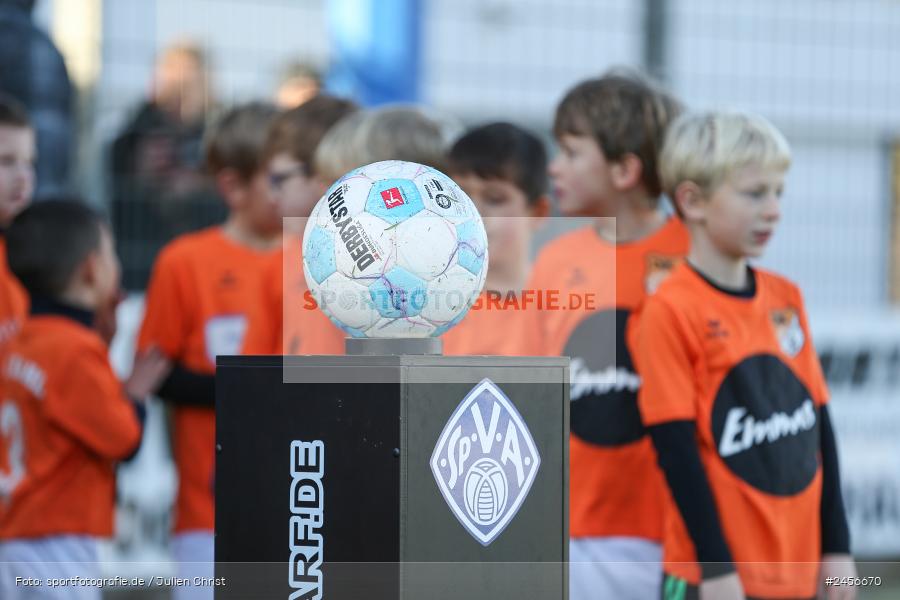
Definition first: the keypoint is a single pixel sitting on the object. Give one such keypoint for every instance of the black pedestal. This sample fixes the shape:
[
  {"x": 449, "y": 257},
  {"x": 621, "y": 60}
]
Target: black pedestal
[{"x": 370, "y": 477}]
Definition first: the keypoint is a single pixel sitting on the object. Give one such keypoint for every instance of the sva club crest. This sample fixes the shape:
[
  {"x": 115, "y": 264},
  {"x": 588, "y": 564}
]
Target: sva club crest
[{"x": 485, "y": 461}]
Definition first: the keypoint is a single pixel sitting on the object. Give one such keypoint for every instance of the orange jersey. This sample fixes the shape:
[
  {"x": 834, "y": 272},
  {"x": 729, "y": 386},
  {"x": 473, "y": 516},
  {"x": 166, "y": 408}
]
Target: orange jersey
[
  {"x": 197, "y": 307},
  {"x": 286, "y": 319},
  {"x": 64, "y": 421},
  {"x": 13, "y": 299},
  {"x": 494, "y": 325},
  {"x": 744, "y": 369},
  {"x": 615, "y": 485}
]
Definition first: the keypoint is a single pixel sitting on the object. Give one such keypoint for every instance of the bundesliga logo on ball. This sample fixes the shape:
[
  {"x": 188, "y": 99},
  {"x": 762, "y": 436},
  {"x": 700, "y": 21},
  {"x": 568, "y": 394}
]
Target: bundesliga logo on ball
[{"x": 395, "y": 249}]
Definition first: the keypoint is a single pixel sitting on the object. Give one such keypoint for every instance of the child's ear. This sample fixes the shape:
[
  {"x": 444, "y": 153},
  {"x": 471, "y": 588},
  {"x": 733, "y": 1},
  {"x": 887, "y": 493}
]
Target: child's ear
[
  {"x": 691, "y": 201},
  {"x": 627, "y": 171},
  {"x": 538, "y": 211},
  {"x": 232, "y": 187},
  {"x": 87, "y": 272}
]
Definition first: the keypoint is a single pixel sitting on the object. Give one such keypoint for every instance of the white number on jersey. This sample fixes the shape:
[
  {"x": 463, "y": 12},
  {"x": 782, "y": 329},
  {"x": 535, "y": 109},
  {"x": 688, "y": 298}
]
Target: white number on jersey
[{"x": 12, "y": 436}]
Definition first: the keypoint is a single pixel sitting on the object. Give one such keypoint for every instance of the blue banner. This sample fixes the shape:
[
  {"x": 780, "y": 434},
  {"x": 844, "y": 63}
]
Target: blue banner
[{"x": 376, "y": 50}]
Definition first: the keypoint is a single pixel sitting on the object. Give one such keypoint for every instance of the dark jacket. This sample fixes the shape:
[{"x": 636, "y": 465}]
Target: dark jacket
[
  {"x": 159, "y": 188},
  {"x": 32, "y": 70}
]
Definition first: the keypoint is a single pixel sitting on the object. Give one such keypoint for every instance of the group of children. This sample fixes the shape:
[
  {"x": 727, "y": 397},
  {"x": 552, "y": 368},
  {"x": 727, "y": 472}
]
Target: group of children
[{"x": 702, "y": 457}]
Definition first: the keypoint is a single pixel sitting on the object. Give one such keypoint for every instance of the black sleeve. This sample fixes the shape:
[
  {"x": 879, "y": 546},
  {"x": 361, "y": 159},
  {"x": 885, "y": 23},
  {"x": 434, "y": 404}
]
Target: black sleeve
[
  {"x": 184, "y": 387},
  {"x": 141, "y": 412},
  {"x": 679, "y": 459},
  {"x": 835, "y": 532}
]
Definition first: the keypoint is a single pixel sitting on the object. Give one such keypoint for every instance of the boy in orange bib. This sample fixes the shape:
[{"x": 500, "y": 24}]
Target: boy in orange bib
[
  {"x": 609, "y": 132},
  {"x": 733, "y": 394}
]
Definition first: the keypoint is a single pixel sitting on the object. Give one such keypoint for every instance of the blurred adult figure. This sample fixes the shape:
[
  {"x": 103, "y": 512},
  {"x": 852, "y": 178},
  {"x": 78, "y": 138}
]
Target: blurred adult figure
[
  {"x": 33, "y": 71},
  {"x": 299, "y": 83},
  {"x": 159, "y": 187}
]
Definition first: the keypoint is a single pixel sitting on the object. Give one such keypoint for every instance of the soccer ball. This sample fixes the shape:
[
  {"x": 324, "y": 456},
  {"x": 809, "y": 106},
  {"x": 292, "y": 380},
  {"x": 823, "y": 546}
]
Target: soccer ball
[{"x": 395, "y": 249}]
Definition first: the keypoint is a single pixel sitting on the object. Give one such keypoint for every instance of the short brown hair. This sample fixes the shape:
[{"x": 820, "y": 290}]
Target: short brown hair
[
  {"x": 298, "y": 131},
  {"x": 236, "y": 141},
  {"x": 48, "y": 241},
  {"x": 625, "y": 114},
  {"x": 13, "y": 112},
  {"x": 502, "y": 151}
]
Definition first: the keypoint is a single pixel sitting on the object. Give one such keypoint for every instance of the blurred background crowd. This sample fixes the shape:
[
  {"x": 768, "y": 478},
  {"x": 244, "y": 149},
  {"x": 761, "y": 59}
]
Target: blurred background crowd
[{"x": 122, "y": 91}]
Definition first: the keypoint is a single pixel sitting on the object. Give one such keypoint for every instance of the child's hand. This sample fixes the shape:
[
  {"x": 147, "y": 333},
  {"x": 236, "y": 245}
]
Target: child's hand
[
  {"x": 105, "y": 323},
  {"x": 150, "y": 369},
  {"x": 726, "y": 587},
  {"x": 837, "y": 566}
]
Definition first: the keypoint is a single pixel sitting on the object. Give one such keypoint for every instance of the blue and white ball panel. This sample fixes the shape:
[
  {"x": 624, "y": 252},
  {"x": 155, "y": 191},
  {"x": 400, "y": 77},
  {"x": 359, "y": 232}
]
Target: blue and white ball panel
[
  {"x": 397, "y": 169},
  {"x": 399, "y": 328},
  {"x": 354, "y": 200},
  {"x": 398, "y": 294},
  {"x": 319, "y": 253},
  {"x": 320, "y": 215},
  {"x": 450, "y": 293},
  {"x": 357, "y": 333},
  {"x": 394, "y": 200},
  {"x": 450, "y": 324},
  {"x": 442, "y": 197},
  {"x": 426, "y": 231},
  {"x": 352, "y": 174},
  {"x": 347, "y": 302},
  {"x": 479, "y": 285},
  {"x": 472, "y": 241}
]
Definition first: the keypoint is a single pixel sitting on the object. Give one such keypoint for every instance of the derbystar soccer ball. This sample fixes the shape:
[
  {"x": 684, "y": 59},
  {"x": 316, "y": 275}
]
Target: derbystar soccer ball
[{"x": 395, "y": 249}]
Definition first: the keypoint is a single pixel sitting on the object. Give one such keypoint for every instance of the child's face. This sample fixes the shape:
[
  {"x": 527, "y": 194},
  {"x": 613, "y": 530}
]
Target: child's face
[
  {"x": 259, "y": 206},
  {"x": 505, "y": 211},
  {"x": 108, "y": 271},
  {"x": 17, "y": 153},
  {"x": 740, "y": 214},
  {"x": 581, "y": 177},
  {"x": 294, "y": 92},
  {"x": 293, "y": 190}
]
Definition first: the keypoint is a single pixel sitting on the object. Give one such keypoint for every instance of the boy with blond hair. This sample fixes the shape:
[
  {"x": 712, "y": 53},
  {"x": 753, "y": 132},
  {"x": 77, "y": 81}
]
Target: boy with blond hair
[
  {"x": 733, "y": 394},
  {"x": 393, "y": 132},
  {"x": 609, "y": 132}
]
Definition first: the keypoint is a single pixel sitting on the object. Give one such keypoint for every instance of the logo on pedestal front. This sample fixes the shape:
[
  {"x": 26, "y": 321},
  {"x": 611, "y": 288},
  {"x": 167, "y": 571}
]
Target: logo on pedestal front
[{"x": 485, "y": 461}]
